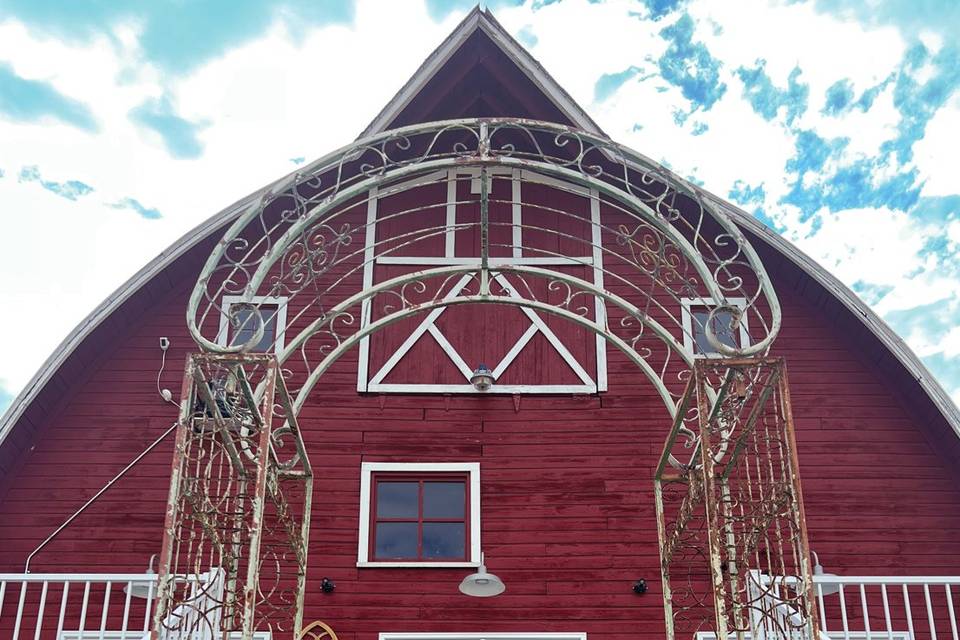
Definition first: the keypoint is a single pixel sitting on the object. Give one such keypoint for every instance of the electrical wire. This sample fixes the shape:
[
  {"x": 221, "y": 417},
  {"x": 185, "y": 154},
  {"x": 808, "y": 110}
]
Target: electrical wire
[
  {"x": 113, "y": 480},
  {"x": 103, "y": 489},
  {"x": 163, "y": 363}
]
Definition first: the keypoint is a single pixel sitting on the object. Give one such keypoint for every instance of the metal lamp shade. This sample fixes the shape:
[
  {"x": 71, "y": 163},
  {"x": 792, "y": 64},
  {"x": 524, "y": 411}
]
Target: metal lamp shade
[
  {"x": 482, "y": 378},
  {"x": 144, "y": 590},
  {"x": 482, "y": 584},
  {"x": 824, "y": 588}
]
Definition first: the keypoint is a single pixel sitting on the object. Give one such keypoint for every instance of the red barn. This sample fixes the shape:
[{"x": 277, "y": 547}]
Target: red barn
[{"x": 482, "y": 351}]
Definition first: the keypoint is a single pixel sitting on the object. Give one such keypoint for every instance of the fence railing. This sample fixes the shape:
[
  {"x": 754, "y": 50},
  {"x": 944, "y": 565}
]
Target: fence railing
[
  {"x": 67, "y": 606},
  {"x": 860, "y": 608},
  {"x": 63, "y": 606},
  {"x": 888, "y": 607}
]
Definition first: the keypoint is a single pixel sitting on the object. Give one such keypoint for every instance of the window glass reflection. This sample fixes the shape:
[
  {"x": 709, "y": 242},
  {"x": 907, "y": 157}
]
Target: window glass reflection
[
  {"x": 443, "y": 540},
  {"x": 443, "y": 499},
  {"x": 396, "y": 540},
  {"x": 397, "y": 499}
]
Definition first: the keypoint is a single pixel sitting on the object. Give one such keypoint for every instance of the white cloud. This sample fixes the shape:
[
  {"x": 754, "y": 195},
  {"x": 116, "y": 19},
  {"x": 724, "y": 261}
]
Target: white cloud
[
  {"x": 278, "y": 97},
  {"x": 877, "y": 246},
  {"x": 951, "y": 343},
  {"x": 787, "y": 35},
  {"x": 578, "y": 41},
  {"x": 271, "y": 99},
  {"x": 936, "y": 153},
  {"x": 953, "y": 231}
]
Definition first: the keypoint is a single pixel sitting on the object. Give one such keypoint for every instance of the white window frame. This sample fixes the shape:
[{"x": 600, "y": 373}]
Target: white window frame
[
  {"x": 687, "y": 305},
  {"x": 373, "y": 381},
  {"x": 484, "y": 636},
  {"x": 367, "y": 469},
  {"x": 223, "y": 334}
]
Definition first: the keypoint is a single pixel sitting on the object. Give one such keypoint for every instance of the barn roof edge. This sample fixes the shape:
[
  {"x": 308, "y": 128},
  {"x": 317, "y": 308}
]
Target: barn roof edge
[{"x": 481, "y": 19}]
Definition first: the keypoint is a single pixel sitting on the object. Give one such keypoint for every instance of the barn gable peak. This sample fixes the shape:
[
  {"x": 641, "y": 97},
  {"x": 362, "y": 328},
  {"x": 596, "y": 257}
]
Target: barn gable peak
[{"x": 479, "y": 71}]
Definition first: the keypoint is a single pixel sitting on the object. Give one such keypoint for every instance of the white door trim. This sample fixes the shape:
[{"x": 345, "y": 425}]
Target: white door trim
[{"x": 484, "y": 636}]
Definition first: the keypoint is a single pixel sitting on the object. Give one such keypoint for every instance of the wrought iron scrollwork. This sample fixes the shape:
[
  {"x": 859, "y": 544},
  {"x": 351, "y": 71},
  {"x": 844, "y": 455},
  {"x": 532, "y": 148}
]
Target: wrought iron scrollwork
[
  {"x": 733, "y": 541},
  {"x": 309, "y": 237}
]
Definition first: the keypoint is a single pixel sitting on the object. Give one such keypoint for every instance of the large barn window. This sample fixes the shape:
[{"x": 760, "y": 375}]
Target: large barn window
[
  {"x": 696, "y": 316},
  {"x": 419, "y": 514},
  {"x": 535, "y": 220},
  {"x": 273, "y": 314}
]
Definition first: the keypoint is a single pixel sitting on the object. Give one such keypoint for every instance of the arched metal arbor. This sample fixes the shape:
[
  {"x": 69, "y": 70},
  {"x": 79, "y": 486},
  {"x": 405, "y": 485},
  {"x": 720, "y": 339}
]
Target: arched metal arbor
[
  {"x": 306, "y": 237},
  {"x": 652, "y": 242}
]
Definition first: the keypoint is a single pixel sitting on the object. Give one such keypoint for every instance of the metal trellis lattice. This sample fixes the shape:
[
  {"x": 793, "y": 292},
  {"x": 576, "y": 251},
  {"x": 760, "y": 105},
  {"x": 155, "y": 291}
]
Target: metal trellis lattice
[
  {"x": 733, "y": 540},
  {"x": 654, "y": 242},
  {"x": 622, "y": 268},
  {"x": 234, "y": 553}
]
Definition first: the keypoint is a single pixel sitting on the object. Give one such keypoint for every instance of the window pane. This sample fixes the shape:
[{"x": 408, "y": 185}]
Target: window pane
[
  {"x": 395, "y": 540},
  {"x": 444, "y": 540},
  {"x": 721, "y": 327},
  {"x": 248, "y": 325},
  {"x": 443, "y": 499},
  {"x": 397, "y": 499}
]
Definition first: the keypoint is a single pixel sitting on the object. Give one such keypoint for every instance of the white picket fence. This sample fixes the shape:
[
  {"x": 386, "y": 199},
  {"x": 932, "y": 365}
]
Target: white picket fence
[
  {"x": 889, "y": 607},
  {"x": 59, "y": 606},
  {"x": 75, "y": 606},
  {"x": 861, "y": 608}
]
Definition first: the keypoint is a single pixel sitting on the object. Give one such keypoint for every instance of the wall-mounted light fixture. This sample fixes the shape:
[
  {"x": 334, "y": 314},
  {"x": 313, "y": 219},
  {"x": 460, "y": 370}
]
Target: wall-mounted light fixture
[
  {"x": 482, "y": 378},
  {"x": 823, "y": 587},
  {"x": 146, "y": 590},
  {"x": 482, "y": 584},
  {"x": 640, "y": 587},
  {"x": 327, "y": 585}
]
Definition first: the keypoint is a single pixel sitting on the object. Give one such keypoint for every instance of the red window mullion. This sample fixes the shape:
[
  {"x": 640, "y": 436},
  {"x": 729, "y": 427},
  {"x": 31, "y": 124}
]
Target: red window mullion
[{"x": 420, "y": 519}]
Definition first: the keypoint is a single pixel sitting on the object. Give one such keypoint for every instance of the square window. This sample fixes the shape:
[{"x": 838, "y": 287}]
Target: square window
[
  {"x": 419, "y": 514},
  {"x": 696, "y": 316},
  {"x": 272, "y": 313}
]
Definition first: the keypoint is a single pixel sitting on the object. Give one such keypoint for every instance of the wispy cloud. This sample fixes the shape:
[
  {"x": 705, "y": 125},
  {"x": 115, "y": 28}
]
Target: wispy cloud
[
  {"x": 825, "y": 178},
  {"x": 178, "y": 134},
  {"x": 71, "y": 189},
  {"x": 609, "y": 83},
  {"x": 687, "y": 64},
  {"x": 177, "y": 36},
  {"x": 767, "y": 100},
  {"x": 923, "y": 86},
  {"x": 26, "y": 100},
  {"x": 910, "y": 16},
  {"x": 839, "y": 97},
  {"x": 851, "y": 185},
  {"x": 659, "y": 8},
  {"x": 134, "y": 205}
]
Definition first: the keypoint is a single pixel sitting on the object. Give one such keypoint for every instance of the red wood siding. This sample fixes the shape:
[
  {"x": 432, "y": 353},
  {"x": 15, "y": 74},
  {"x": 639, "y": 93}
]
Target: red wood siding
[
  {"x": 567, "y": 504},
  {"x": 567, "y": 519}
]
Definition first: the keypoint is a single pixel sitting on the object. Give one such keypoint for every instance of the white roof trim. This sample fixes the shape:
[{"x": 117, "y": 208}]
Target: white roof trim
[
  {"x": 483, "y": 19},
  {"x": 480, "y": 19}
]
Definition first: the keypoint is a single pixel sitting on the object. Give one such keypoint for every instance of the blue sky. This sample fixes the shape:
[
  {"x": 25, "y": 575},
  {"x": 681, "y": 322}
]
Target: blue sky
[{"x": 123, "y": 125}]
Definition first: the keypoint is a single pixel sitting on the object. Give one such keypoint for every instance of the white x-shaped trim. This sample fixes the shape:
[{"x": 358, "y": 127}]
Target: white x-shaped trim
[{"x": 429, "y": 325}]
